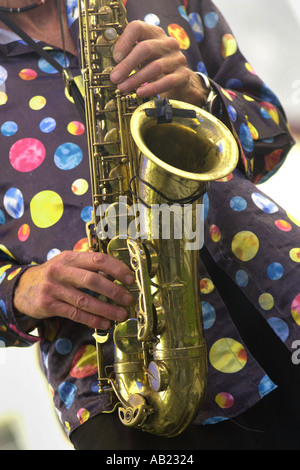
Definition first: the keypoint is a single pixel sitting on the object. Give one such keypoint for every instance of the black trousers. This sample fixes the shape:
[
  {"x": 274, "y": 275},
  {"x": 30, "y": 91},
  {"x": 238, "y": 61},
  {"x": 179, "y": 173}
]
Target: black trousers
[{"x": 272, "y": 424}]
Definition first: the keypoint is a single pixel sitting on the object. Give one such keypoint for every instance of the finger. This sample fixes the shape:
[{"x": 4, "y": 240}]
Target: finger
[
  {"x": 143, "y": 53},
  {"x": 95, "y": 282},
  {"x": 81, "y": 302},
  {"x": 135, "y": 32},
  {"x": 168, "y": 84},
  {"x": 65, "y": 310},
  {"x": 91, "y": 261}
]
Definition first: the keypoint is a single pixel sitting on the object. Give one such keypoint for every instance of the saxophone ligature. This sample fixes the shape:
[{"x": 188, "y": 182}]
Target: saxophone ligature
[{"x": 152, "y": 154}]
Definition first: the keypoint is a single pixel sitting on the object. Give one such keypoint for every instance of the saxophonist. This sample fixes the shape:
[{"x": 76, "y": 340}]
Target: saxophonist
[{"x": 182, "y": 50}]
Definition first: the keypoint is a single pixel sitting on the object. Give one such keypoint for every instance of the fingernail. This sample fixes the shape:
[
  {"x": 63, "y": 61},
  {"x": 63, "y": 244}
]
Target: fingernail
[
  {"x": 127, "y": 299},
  {"x": 115, "y": 76},
  {"x": 117, "y": 56},
  {"x": 121, "y": 314},
  {"x": 129, "y": 279}
]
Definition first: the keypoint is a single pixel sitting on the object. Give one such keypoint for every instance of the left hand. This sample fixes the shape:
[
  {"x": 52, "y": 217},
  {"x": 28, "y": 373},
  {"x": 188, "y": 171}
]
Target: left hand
[{"x": 159, "y": 66}]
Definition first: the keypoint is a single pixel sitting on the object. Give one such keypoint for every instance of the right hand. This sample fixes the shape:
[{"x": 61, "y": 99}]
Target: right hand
[{"x": 54, "y": 289}]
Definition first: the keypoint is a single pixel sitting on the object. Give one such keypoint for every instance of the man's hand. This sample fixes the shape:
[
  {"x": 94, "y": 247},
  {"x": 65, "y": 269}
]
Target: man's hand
[
  {"x": 158, "y": 64},
  {"x": 55, "y": 289}
]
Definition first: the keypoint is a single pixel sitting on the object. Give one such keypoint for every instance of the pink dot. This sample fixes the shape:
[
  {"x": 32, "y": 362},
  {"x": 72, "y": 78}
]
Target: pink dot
[
  {"x": 24, "y": 232},
  {"x": 27, "y": 154}
]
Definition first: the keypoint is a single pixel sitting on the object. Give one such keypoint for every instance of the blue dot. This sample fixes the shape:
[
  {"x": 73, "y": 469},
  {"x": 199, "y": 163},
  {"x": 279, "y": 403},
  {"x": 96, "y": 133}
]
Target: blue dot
[
  {"x": 2, "y": 342},
  {"x": 275, "y": 271},
  {"x": 245, "y": 138},
  {"x": 241, "y": 278},
  {"x": 280, "y": 328},
  {"x": 211, "y": 19},
  {"x": 68, "y": 156},
  {"x": 3, "y": 307},
  {"x": 208, "y": 315},
  {"x": 238, "y": 203},
  {"x": 264, "y": 204},
  {"x": 67, "y": 392},
  {"x": 197, "y": 26},
  {"x": 264, "y": 113},
  {"x": 47, "y": 125},
  {"x": 232, "y": 113},
  {"x": 2, "y": 217},
  {"x": 214, "y": 420},
  {"x": 182, "y": 12},
  {"x": 233, "y": 83},
  {"x": 86, "y": 214},
  {"x": 58, "y": 56},
  {"x": 3, "y": 75},
  {"x": 153, "y": 19},
  {"x": 201, "y": 68},
  {"x": 265, "y": 386},
  {"x": 205, "y": 202},
  {"x": 63, "y": 346},
  {"x": 14, "y": 203},
  {"x": 9, "y": 128}
]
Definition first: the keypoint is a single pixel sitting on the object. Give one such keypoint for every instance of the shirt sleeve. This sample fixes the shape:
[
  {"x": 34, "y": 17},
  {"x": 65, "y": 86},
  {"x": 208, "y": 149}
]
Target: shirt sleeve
[
  {"x": 15, "y": 329},
  {"x": 245, "y": 103}
]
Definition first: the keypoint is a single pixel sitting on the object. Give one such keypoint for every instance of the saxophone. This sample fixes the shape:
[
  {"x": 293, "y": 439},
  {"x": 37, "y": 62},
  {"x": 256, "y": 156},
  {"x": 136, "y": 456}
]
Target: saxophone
[{"x": 149, "y": 155}]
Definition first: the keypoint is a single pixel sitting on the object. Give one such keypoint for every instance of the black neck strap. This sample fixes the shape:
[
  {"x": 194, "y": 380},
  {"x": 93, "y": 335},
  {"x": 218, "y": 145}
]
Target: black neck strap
[{"x": 67, "y": 76}]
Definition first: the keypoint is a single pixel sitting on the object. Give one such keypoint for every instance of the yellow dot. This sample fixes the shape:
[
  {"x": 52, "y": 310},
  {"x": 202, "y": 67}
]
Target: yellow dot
[
  {"x": 266, "y": 301},
  {"x": 228, "y": 356},
  {"x": 13, "y": 274},
  {"x": 295, "y": 255},
  {"x": 206, "y": 286},
  {"x": 3, "y": 98},
  {"x": 37, "y": 102},
  {"x": 4, "y": 268},
  {"x": 80, "y": 187},
  {"x": 229, "y": 45},
  {"x": 248, "y": 98},
  {"x": 46, "y": 209},
  {"x": 293, "y": 219},
  {"x": 245, "y": 245}
]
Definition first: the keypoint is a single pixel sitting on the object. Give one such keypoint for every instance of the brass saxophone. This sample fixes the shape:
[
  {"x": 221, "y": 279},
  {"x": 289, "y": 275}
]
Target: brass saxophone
[{"x": 150, "y": 154}]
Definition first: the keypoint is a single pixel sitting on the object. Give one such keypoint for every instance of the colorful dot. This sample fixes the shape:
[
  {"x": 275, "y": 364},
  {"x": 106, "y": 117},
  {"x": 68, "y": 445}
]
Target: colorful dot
[
  {"x": 27, "y": 154},
  {"x": 229, "y": 45},
  {"x": 68, "y": 156},
  {"x": 9, "y": 128},
  {"x": 266, "y": 301},
  {"x": 264, "y": 203},
  {"x": 215, "y": 233},
  {"x": 238, "y": 203},
  {"x": 245, "y": 245},
  {"x": 23, "y": 233},
  {"x": 208, "y": 315},
  {"x": 28, "y": 74},
  {"x": 228, "y": 356},
  {"x": 224, "y": 400},
  {"x": 197, "y": 26},
  {"x": 295, "y": 255},
  {"x": 37, "y": 102},
  {"x": 76, "y": 128},
  {"x": 283, "y": 225},
  {"x": 83, "y": 415},
  {"x": 180, "y": 35},
  {"x": 265, "y": 386},
  {"x": 67, "y": 392},
  {"x": 153, "y": 19},
  {"x": 46, "y": 209},
  {"x": 242, "y": 278},
  {"x": 58, "y": 56},
  {"x": 275, "y": 271},
  {"x": 63, "y": 346},
  {"x": 47, "y": 125},
  {"x": 295, "y": 309},
  {"x": 80, "y": 187},
  {"x": 279, "y": 327},
  {"x": 206, "y": 286},
  {"x": 3, "y": 98},
  {"x": 14, "y": 203},
  {"x": 85, "y": 362}
]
